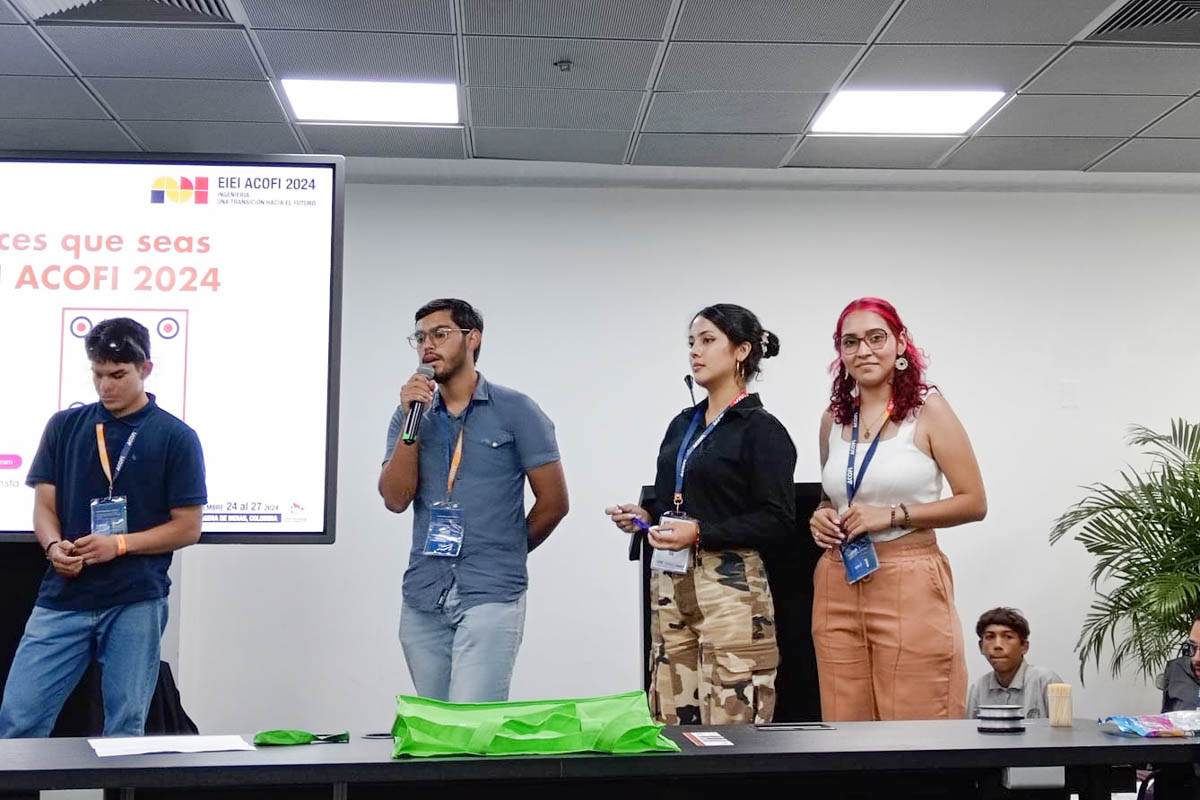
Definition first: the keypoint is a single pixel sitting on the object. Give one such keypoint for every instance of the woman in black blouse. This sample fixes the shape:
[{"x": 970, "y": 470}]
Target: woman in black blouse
[{"x": 724, "y": 492}]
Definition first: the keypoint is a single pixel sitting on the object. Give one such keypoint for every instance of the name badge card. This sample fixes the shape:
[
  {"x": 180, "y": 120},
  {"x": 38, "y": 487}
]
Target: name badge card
[
  {"x": 859, "y": 558},
  {"x": 446, "y": 529},
  {"x": 676, "y": 562},
  {"x": 110, "y": 516}
]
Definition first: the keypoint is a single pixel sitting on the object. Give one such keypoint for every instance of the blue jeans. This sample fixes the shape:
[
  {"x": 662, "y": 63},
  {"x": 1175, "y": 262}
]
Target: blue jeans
[
  {"x": 58, "y": 646},
  {"x": 464, "y": 655}
]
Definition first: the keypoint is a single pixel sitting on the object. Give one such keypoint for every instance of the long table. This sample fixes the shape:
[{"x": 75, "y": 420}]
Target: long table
[{"x": 860, "y": 759}]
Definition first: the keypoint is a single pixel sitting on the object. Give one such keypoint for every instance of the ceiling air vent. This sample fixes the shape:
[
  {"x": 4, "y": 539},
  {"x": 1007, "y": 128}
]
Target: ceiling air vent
[
  {"x": 1152, "y": 21},
  {"x": 142, "y": 11}
]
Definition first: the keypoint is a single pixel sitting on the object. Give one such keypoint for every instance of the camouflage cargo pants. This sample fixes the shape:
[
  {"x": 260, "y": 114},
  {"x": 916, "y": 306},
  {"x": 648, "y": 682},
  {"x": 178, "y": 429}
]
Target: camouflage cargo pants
[{"x": 713, "y": 654}]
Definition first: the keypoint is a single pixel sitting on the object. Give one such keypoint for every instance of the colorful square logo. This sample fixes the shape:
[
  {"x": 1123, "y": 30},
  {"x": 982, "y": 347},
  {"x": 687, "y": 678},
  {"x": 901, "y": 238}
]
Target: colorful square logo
[{"x": 181, "y": 190}]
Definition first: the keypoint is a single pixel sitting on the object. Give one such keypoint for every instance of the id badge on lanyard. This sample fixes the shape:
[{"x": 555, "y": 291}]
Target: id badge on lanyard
[
  {"x": 110, "y": 515},
  {"x": 678, "y": 562},
  {"x": 446, "y": 522},
  {"x": 858, "y": 556}
]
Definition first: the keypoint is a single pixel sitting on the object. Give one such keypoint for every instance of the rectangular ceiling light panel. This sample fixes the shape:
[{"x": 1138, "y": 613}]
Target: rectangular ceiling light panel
[
  {"x": 373, "y": 102},
  {"x": 904, "y": 113}
]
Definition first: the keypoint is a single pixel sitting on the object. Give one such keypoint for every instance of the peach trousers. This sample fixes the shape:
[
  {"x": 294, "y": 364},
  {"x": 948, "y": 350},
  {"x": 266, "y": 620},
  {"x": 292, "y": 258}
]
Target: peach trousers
[{"x": 890, "y": 646}]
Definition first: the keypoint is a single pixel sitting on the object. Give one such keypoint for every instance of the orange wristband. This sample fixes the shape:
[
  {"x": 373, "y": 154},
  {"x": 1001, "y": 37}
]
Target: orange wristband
[{"x": 122, "y": 545}]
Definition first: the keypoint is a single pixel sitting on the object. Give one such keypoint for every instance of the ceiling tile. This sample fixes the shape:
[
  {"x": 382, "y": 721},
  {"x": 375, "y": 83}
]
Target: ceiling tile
[
  {"x": 947, "y": 67},
  {"x": 44, "y": 98},
  {"x": 554, "y": 108},
  {"x": 872, "y": 152},
  {"x": 1077, "y": 115},
  {"x": 1121, "y": 69},
  {"x": 157, "y": 51},
  {"x": 712, "y": 150},
  {"x": 247, "y": 138},
  {"x": 780, "y": 20},
  {"x": 409, "y": 16},
  {"x": 171, "y": 99},
  {"x": 595, "y": 63},
  {"x": 731, "y": 112},
  {"x": 393, "y": 141},
  {"x": 611, "y": 19},
  {"x": 63, "y": 134},
  {"x": 8, "y": 16},
  {"x": 992, "y": 21},
  {"x": 1029, "y": 153},
  {"x": 594, "y": 147},
  {"x": 1154, "y": 155},
  {"x": 755, "y": 67},
  {"x": 1182, "y": 123},
  {"x": 22, "y": 52},
  {"x": 367, "y": 56}
]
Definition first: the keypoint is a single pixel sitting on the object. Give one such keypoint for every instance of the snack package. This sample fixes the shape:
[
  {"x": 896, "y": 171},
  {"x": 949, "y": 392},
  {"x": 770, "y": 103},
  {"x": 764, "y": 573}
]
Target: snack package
[{"x": 1174, "y": 723}]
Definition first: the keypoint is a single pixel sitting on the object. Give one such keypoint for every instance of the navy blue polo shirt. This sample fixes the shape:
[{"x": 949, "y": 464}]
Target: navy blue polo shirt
[
  {"x": 506, "y": 435},
  {"x": 164, "y": 470}
]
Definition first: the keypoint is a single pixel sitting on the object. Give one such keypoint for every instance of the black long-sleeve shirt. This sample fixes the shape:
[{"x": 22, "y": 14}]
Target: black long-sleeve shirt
[
  {"x": 739, "y": 481},
  {"x": 1181, "y": 687}
]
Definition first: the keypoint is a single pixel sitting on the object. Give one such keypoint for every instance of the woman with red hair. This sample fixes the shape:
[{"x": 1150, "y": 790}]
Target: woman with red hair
[{"x": 888, "y": 639}]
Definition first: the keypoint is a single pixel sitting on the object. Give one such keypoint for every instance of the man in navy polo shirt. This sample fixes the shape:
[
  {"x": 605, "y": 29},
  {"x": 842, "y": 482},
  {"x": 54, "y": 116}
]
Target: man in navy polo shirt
[
  {"x": 463, "y": 615},
  {"x": 119, "y": 486}
]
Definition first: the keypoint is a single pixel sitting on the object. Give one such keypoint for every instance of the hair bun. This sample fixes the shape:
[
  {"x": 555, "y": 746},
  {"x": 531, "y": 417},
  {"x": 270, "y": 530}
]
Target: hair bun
[{"x": 770, "y": 344}]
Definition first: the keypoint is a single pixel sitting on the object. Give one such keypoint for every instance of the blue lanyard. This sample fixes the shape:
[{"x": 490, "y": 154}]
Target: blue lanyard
[
  {"x": 685, "y": 452},
  {"x": 852, "y": 482}
]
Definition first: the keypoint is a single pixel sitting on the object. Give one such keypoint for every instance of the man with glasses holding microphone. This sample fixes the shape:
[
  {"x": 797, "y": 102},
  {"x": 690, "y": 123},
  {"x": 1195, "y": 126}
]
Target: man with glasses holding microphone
[{"x": 463, "y": 614}]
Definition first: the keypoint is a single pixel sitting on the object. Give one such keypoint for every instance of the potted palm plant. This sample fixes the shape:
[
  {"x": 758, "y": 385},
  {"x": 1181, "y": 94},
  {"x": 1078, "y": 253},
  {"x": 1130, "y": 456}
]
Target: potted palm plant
[{"x": 1145, "y": 536}]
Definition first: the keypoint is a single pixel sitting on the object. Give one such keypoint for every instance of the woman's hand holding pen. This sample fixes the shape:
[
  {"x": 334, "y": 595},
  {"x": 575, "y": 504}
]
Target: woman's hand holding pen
[{"x": 627, "y": 516}]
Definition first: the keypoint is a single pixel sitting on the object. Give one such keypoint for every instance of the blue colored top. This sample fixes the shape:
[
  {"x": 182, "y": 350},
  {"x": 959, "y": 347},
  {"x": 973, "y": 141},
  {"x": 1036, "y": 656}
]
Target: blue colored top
[
  {"x": 164, "y": 470},
  {"x": 506, "y": 436}
]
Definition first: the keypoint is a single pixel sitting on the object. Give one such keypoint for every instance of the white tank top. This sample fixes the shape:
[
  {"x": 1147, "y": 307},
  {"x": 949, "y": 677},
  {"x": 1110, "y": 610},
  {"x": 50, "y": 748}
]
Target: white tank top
[{"x": 899, "y": 473}]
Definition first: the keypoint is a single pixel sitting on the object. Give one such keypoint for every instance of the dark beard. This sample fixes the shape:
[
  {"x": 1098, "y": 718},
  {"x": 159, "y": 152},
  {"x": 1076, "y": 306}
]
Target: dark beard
[{"x": 459, "y": 365}]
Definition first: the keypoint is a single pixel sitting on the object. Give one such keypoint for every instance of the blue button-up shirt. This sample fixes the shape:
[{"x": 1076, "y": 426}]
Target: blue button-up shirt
[{"x": 506, "y": 436}]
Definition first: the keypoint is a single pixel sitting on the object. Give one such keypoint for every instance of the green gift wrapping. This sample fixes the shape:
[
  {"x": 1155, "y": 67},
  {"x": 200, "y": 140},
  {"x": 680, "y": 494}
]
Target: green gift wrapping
[
  {"x": 289, "y": 737},
  {"x": 618, "y": 724}
]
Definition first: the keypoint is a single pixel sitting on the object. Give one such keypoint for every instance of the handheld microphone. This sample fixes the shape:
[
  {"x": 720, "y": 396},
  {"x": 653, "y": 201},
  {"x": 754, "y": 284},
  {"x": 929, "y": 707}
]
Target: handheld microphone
[
  {"x": 416, "y": 410},
  {"x": 688, "y": 380}
]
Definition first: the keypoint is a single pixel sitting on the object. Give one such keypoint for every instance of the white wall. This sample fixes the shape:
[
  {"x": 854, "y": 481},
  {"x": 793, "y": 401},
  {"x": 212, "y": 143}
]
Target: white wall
[{"x": 1052, "y": 320}]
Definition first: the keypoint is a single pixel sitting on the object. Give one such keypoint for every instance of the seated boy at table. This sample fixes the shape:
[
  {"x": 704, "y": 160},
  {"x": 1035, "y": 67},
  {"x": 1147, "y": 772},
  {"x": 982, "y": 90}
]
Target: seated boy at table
[{"x": 1004, "y": 640}]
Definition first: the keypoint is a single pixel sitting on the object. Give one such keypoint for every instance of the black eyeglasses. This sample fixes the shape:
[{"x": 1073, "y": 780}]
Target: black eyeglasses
[
  {"x": 1188, "y": 649},
  {"x": 438, "y": 335}
]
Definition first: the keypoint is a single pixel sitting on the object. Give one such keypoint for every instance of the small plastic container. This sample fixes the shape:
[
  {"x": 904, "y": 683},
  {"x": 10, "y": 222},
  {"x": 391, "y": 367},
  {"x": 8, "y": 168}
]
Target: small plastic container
[{"x": 1001, "y": 719}]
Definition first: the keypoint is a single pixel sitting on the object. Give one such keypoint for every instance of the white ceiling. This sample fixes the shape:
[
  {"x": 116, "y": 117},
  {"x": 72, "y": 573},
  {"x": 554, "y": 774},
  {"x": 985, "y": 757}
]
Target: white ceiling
[{"x": 652, "y": 82}]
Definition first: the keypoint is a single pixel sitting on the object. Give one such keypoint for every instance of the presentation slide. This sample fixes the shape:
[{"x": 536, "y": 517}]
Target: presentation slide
[{"x": 234, "y": 268}]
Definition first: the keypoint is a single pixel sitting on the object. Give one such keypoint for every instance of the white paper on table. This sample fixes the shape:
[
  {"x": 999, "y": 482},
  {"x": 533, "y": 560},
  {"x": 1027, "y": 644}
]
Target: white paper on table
[{"x": 141, "y": 745}]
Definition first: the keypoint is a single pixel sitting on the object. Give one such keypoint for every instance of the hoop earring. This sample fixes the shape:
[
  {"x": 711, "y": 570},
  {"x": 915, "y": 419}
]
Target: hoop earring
[{"x": 901, "y": 364}]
